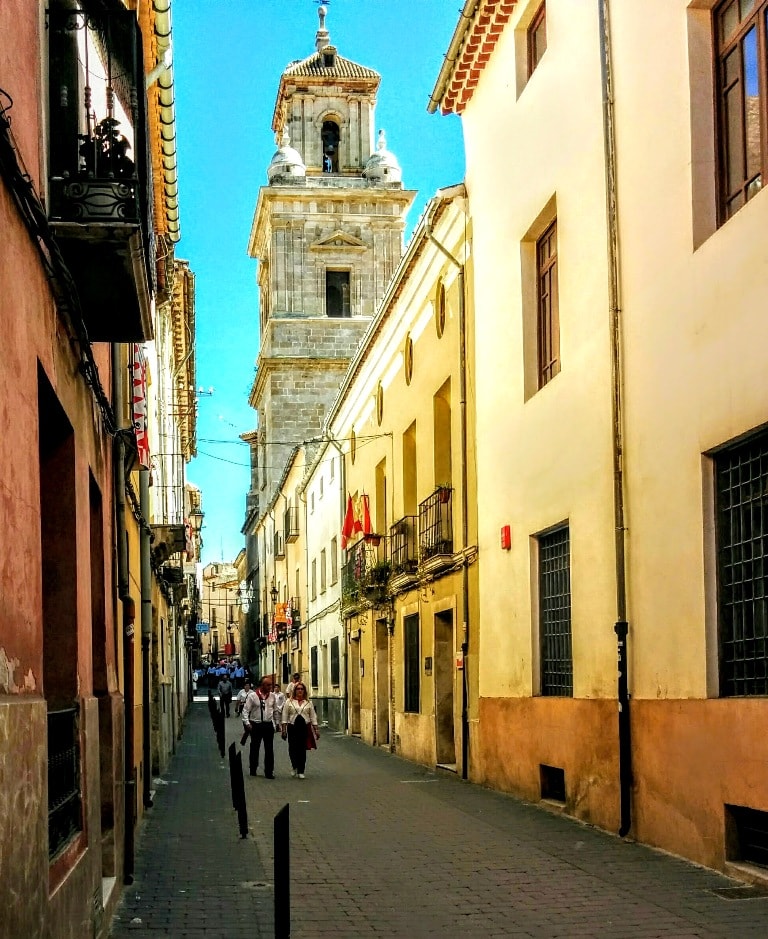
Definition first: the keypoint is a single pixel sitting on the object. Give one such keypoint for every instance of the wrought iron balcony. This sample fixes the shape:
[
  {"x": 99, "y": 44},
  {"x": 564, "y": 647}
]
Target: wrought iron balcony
[
  {"x": 99, "y": 208},
  {"x": 366, "y": 573},
  {"x": 436, "y": 524},
  {"x": 291, "y": 524},
  {"x": 403, "y": 546}
]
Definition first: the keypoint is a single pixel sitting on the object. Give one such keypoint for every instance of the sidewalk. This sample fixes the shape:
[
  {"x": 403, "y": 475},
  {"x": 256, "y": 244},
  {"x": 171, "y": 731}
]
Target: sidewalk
[{"x": 380, "y": 846}]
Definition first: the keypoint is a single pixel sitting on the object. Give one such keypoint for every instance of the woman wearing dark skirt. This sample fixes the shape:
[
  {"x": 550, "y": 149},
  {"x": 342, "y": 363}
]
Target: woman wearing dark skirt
[{"x": 299, "y": 724}]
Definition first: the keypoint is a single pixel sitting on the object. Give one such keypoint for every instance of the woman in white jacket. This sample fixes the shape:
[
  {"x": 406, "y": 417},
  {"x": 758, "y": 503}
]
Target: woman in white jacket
[{"x": 299, "y": 724}]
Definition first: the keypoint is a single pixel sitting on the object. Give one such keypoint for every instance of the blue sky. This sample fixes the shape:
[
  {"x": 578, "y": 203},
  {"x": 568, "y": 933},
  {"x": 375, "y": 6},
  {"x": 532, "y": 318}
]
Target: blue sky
[{"x": 228, "y": 58}]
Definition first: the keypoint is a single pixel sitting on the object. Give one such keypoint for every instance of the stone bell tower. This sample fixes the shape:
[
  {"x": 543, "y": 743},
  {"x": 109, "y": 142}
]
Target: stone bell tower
[{"x": 328, "y": 234}]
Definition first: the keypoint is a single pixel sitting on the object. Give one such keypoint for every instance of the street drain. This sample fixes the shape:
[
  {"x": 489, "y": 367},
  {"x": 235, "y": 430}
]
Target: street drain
[
  {"x": 751, "y": 892},
  {"x": 255, "y": 885}
]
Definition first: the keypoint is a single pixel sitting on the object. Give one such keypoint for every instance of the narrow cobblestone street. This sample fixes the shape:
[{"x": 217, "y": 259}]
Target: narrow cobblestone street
[{"x": 380, "y": 846}]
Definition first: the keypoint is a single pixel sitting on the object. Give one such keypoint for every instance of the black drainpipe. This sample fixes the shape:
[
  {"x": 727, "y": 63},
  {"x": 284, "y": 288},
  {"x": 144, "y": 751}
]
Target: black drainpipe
[{"x": 621, "y": 627}]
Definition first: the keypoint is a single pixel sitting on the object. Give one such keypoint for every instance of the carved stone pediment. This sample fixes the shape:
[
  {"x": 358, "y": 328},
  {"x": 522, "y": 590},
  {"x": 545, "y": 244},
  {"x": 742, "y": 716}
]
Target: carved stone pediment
[{"x": 336, "y": 240}]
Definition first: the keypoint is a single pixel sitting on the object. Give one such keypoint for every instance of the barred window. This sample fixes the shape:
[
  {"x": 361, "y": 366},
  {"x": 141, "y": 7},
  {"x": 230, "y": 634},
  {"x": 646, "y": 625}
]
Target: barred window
[
  {"x": 555, "y": 613},
  {"x": 742, "y": 549}
]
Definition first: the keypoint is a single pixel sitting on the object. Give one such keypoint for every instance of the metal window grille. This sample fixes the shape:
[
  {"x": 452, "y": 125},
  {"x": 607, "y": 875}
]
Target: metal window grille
[
  {"x": 412, "y": 675},
  {"x": 555, "y": 613},
  {"x": 403, "y": 549},
  {"x": 64, "y": 796},
  {"x": 742, "y": 552},
  {"x": 436, "y": 524}
]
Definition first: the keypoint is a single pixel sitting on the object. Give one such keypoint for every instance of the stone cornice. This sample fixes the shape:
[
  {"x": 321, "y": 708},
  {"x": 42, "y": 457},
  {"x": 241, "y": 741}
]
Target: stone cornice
[
  {"x": 474, "y": 39},
  {"x": 305, "y": 196}
]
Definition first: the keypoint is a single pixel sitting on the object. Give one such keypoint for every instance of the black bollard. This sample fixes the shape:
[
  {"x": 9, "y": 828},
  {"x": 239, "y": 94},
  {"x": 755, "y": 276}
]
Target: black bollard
[
  {"x": 242, "y": 809},
  {"x": 220, "y": 732},
  {"x": 282, "y": 873},
  {"x": 232, "y": 783},
  {"x": 237, "y": 784}
]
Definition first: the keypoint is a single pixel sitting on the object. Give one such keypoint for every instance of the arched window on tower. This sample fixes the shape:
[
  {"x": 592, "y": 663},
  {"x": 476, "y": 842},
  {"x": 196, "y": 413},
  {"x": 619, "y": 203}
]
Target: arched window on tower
[{"x": 331, "y": 137}]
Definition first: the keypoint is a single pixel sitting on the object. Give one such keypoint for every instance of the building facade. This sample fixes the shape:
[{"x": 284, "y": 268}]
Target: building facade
[
  {"x": 620, "y": 430},
  {"x": 81, "y": 212},
  {"x": 409, "y": 574}
]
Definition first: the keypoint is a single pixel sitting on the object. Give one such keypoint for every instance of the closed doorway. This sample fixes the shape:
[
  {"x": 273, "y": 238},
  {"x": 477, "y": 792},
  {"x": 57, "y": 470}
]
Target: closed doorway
[
  {"x": 382, "y": 683},
  {"x": 445, "y": 744}
]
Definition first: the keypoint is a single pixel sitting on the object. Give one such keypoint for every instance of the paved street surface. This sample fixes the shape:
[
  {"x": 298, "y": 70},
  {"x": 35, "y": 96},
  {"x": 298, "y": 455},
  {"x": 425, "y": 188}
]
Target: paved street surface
[{"x": 380, "y": 846}]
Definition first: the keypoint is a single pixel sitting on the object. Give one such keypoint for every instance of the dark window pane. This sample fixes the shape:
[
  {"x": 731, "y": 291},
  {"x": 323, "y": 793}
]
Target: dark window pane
[
  {"x": 537, "y": 38},
  {"x": 411, "y": 657},
  {"x": 746, "y": 7},
  {"x": 335, "y": 660},
  {"x": 729, "y": 20},
  {"x": 734, "y": 139}
]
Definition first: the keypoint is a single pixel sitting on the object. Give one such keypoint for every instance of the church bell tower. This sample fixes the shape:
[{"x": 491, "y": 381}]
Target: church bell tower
[{"x": 328, "y": 235}]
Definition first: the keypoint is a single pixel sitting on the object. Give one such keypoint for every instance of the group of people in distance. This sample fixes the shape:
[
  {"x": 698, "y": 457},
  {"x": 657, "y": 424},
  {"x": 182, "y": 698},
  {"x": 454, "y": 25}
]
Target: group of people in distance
[{"x": 265, "y": 711}]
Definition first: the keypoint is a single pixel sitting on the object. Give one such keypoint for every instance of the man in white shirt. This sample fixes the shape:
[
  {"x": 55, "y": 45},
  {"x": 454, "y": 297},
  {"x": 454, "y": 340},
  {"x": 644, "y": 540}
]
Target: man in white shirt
[{"x": 258, "y": 715}]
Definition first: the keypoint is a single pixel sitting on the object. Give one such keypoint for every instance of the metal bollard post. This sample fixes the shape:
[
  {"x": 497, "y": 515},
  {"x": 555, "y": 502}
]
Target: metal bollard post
[
  {"x": 282, "y": 873},
  {"x": 238, "y": 789},
  {"x": 232, "y": 781}
]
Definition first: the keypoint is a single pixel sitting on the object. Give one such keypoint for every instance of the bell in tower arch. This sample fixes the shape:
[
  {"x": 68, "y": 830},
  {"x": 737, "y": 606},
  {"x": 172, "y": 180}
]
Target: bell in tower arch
[{"x": 331, "y": 137}]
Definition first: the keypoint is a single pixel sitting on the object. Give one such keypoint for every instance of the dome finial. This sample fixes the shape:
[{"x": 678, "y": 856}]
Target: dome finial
[
  {"x": 382, "y": 167},
  {"x": 323, "y": 37}
]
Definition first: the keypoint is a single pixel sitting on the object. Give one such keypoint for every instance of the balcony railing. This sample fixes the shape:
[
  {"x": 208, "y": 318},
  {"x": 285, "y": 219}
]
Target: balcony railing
[
  {"x": 291, "y": 524},
  {"x": 366, "y": 573},
  {"x": 436, "y": 524},
  {"x": 403, "y": 546},
  {"x": 64, "y": 795},
  {"x": 99, "y": 205}
]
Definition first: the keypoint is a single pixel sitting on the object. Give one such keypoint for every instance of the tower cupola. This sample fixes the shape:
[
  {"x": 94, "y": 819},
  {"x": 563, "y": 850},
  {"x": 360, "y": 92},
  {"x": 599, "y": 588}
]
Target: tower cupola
[
  {"x": 286, "y": 164},
  {"x": 382, "y": 167}
]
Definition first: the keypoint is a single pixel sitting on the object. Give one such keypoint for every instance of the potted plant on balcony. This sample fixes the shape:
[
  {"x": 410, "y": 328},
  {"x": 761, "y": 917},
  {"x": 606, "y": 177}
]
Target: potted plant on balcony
[
  {"x": 443, "y": 494},
  {"x": 372, "y": 538},
  {"x": 377, "y": 578}
]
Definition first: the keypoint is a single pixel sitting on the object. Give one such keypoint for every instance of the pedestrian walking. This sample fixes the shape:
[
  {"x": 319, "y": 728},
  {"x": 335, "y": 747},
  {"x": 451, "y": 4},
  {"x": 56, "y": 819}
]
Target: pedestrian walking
[
  {"x": 242, "y": 694},
  {"x": 239, "y": 676},
  {"x": 225, "y": 694},
  {"x": 292, "y": 684},
  {"x": 258, "y": 712},
  {"x": 299, "y": 724}
]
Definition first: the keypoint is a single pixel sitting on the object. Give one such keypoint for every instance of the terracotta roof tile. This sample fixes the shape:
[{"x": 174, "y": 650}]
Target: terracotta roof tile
[
  {"x": 314, "y": 66},
  {"x": 475, "y": 40}
]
